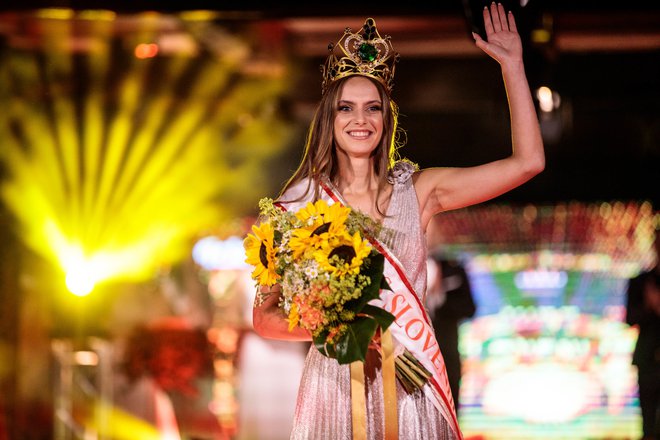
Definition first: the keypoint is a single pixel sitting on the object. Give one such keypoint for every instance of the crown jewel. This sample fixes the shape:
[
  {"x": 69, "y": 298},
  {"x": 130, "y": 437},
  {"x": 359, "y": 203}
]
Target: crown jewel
[{"x": 366, "y": 54}]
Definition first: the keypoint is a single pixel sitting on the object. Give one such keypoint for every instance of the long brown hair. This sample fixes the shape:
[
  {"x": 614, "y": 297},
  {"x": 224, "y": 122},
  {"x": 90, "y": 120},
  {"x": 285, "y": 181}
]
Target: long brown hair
[{"x": 320, "y": 157}]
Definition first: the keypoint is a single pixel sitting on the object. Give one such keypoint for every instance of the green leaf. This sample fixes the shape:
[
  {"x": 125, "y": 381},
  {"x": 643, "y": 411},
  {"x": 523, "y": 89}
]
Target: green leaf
[
  {"x": 384, "y": 285},
  {"x": 375, "y": 269},
  {"x": 353, "y": 345},
  {"x": 382, "y": 317},
  {"x": 325, "y": 349}
]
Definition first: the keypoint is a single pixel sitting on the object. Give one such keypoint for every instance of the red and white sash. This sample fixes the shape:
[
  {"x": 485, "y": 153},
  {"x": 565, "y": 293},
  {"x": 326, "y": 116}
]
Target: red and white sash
[{"x": 412, "y": 327}]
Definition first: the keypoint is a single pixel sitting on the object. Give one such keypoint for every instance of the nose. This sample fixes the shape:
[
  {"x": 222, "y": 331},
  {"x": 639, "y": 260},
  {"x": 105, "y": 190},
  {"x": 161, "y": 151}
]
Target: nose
[{"x": 360, "y": 117}]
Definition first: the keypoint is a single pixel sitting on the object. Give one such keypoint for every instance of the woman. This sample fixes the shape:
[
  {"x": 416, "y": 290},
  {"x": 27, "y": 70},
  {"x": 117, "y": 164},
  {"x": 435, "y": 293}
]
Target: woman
[{"x": 349, "y": 158}]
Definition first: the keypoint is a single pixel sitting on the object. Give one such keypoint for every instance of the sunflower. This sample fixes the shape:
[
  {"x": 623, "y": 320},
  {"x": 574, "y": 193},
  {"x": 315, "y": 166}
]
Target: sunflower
[
  {"x": 320, "y": 212},
  {"x": 345, "y": 257},
  {"x": 294, "y": 317},
  {"x": 323, "y": 224},
  {"x": 260, "y": 253}
]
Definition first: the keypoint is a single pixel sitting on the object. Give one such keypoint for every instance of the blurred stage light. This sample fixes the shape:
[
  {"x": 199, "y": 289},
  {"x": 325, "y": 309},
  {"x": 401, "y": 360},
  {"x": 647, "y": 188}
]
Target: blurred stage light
[
  {"x": 122, "y": 424},
  {"x": 110, "y": 174},
  {"x": 79, "y": 283},
  {"x": 606, "y": 237},
  {"x": 146, "y": 50},
  {"x": 211, "y": 253},
  {"x": 549, "y": 100},
  {"x": 540, "y": 393},
  {"x": 541, "y": 36},
  {"x": 87, "y": 358},
  {"x": 55, "y": 13},
  {"x": 540, "y": 279}
]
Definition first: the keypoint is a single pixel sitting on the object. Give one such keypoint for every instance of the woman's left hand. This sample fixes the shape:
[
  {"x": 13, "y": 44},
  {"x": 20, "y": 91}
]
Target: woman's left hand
[{"x": 503, "y": 42}]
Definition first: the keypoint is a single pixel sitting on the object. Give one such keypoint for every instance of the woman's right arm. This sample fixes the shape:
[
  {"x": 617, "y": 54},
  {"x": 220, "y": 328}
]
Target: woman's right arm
[{"x": 269, "y": 320}]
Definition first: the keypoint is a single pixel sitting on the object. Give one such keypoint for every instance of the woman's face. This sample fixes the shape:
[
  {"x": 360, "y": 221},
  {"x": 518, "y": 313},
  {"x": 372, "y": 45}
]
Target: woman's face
[{"x": 358, "y": 123}]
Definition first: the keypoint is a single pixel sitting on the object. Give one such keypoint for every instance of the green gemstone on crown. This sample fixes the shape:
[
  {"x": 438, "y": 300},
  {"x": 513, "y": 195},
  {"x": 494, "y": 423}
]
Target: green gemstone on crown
[{"x": 367, "y": 52}]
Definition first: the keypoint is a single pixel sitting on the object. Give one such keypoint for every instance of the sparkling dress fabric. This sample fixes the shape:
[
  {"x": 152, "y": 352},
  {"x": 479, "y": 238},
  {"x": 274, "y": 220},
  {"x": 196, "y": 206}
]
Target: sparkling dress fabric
[{"x": 323, "y": 408}]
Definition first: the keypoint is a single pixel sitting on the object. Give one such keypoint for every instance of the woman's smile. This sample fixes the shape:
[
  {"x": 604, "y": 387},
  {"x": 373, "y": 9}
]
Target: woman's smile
[
  {"x": 358, "y": 122},
  {"x": 361, "y": 134}
]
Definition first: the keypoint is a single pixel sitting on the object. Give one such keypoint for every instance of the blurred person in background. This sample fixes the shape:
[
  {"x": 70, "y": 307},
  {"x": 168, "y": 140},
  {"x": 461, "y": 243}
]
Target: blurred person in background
[
  {"x": 449, "y": 301},
  {"x": 643, "y": 311}
]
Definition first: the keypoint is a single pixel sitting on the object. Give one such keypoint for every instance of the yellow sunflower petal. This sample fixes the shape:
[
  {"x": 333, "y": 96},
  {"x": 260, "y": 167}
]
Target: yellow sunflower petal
[
  {"x": 260, "y": 253},
  {"x": 337, "y": 213},
  {"x": 300, "y": 242},
  {"x": 294, "y": 317},
  {"x": 309, "y": 211}
]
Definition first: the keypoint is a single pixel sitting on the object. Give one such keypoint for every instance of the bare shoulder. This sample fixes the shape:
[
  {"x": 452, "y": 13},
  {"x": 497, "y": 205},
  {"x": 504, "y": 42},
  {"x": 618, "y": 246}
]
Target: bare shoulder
[
  {"x": 428, "y": 176},
  {"x": 428, "y": 180}
]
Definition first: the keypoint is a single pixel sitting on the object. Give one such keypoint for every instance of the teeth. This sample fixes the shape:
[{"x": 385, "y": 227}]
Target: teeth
[{"x": 359, "y": 133}]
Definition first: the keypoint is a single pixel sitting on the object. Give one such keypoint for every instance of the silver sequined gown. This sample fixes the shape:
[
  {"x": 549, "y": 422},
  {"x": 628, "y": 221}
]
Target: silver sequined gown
[{"x": 323, "y": 408}]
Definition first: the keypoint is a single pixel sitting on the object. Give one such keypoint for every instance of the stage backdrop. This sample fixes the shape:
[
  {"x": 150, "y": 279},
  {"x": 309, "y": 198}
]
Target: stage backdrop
[
  {"x": 547, "y": 356},
  {"x": 548, "y": 353}
]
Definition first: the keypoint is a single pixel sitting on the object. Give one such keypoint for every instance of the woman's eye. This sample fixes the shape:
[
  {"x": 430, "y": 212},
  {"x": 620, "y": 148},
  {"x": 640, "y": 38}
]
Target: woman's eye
[
  {"x": 343, "y": 108},
  {"x": 375, "y": 108}
]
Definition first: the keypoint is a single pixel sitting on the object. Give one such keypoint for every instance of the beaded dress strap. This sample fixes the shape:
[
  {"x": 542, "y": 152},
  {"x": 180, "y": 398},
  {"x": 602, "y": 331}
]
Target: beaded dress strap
[{"x": 401, "y": 172}]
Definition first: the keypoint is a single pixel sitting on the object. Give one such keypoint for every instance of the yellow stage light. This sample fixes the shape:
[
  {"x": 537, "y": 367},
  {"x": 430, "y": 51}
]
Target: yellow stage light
[
  {"x": 116, "y": 164},
  {"x": 79, "y": 283},
  {"x": 122, "y": 425}
]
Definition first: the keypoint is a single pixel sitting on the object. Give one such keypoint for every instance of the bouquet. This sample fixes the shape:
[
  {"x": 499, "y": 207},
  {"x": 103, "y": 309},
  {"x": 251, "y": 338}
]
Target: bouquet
[{"x": 328, "y": 272}]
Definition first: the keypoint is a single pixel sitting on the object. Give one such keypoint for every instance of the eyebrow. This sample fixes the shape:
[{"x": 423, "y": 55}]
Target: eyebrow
[{"x": 346, "y": 101}]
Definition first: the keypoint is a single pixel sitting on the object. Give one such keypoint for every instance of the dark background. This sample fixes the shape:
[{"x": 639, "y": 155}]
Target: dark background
[{"x": 603, "y": 58}]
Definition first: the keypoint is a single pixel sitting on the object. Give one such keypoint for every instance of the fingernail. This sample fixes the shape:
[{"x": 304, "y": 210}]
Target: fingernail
[{"x": 474, "y": 35}]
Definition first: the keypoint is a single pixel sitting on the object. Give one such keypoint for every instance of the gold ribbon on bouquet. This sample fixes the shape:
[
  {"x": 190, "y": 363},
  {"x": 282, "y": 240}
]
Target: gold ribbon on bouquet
[{"x": 358, "y": 398}]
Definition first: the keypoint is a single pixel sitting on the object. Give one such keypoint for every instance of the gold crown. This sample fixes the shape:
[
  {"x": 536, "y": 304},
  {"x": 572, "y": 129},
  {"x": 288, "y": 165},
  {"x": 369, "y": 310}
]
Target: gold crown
[{"x": 366, "y": 54}]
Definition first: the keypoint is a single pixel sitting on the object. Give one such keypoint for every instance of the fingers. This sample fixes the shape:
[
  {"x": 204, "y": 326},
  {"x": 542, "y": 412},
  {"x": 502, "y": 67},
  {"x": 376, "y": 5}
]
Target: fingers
[
  {"x": 502, "y": 17},
  {"x": 496, "y": 19},
  {"x": 492, "y": 16},
  {"x": 488, "y": 23},
  {"x": 512, "y": 23},
  {"x": 480, "y": 42}
]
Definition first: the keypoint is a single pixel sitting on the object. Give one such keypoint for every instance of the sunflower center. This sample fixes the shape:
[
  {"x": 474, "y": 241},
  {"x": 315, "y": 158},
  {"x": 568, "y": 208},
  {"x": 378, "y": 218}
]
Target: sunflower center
[
  {"x": 345, "y": 253},
  {"x": 263, "y": 255},
  {"x": 325, "y": 227}
]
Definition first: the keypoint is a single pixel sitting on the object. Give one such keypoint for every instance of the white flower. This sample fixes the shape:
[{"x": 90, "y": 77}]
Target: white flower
[{"x": 311, "y": 271}]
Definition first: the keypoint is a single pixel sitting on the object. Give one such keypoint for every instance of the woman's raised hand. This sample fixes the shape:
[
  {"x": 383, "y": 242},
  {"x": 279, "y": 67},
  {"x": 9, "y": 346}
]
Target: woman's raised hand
[{"x": 502, "y": 40}]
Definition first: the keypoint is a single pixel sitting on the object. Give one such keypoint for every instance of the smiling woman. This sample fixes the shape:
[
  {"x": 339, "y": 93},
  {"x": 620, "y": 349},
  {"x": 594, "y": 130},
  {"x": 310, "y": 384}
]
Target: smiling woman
[
  {"x": 359, "y": 123},
  {"x": 351, "y": 159}
]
